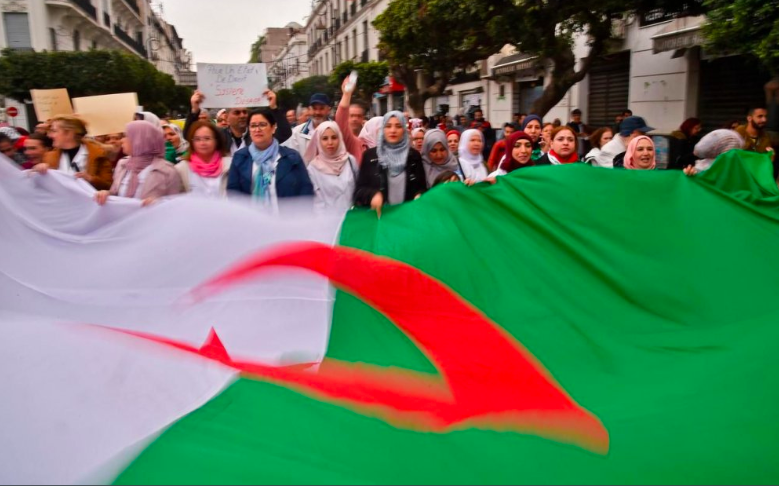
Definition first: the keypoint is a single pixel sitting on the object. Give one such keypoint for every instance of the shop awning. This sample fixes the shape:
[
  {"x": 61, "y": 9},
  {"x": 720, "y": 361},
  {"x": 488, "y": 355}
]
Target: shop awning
[
  {"x": 681, "y": 33},
  {"x": 514, "y": 63},
  {"x": 391, "y": 86}
]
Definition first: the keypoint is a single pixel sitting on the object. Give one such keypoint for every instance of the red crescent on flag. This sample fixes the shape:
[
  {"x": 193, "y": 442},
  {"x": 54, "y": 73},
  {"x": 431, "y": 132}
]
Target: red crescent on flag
[{"x": 487, "y": 379}]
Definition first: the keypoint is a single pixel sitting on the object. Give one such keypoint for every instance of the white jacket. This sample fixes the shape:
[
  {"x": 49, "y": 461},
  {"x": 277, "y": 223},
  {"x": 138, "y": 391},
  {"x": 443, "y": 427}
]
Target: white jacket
[
  {"x": 607, "y": 153},
  {"x": 301, "y": 137}
]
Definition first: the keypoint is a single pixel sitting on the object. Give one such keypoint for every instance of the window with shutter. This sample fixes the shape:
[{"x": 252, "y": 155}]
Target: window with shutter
[{"x": 17, "y": 31}]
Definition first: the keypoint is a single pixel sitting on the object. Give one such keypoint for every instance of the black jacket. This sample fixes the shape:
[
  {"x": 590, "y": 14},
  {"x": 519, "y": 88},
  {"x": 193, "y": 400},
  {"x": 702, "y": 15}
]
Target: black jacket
[
  {"x": 374, "y": 178},
  {"x": 283, "y": 130}
]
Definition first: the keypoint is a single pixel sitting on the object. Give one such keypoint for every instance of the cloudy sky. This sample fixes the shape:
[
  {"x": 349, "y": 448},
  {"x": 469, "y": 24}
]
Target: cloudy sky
[{"x": 222, "y": 31}]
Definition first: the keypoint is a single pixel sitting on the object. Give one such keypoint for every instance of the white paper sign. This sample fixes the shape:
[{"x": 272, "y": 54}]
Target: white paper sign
[{"x": 232, "y": 85}]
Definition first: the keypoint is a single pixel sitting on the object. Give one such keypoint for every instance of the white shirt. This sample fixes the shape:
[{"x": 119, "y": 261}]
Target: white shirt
[
  {"x": 205, "y": 186},
  {"x": 607, "y": 153},
  {"x": 126, "y": 182},
  {"x": 80, "y": 160},
  {"x": 235, "y": 148},
  {"x": 334, "y": 191},
  {"x": 477, "y": 174}
]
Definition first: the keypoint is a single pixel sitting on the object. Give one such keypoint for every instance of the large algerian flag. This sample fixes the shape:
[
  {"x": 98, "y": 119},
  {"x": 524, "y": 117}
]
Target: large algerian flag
[{"x": 566, "y": 325}]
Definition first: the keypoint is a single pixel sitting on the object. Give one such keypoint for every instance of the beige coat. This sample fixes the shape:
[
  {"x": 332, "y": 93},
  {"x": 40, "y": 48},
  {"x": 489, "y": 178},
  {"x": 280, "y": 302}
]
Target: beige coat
[{"x": 163, "y": 180}]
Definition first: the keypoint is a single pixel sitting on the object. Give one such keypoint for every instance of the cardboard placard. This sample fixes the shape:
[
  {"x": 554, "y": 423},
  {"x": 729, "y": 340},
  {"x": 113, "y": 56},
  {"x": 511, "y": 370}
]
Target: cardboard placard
[
  {"x": 232, "y": 85},
  {"x": 49, "y": 103},
  {"x": 106, "y": 114}
]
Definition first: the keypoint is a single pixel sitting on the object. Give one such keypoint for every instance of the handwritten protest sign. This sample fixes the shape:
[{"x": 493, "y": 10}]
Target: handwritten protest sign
[
  {"x": 232, "y": 85},
  {"x": 106, "y": 114},
  {"x": 49, "y": 103}
]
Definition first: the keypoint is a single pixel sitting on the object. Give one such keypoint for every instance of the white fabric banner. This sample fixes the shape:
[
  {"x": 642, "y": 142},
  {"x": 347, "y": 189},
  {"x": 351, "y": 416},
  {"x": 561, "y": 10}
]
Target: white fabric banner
[{"x": 73, "y": 398}]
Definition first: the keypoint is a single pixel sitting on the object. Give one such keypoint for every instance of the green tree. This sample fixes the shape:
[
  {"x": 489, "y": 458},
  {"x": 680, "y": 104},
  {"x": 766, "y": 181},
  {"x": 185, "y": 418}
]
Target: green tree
[
  {"x": 750, "y": 28},
  {"x": 372, "y": 76},
  {"x": 287, "y": 100},
  {"x": 305, "y": 88},
  {"x": 418, "y": 35},
  {"x": 255, "y": 54},
  {"x": 426, "y": 41},
  {"x": 91, "y": 73}
]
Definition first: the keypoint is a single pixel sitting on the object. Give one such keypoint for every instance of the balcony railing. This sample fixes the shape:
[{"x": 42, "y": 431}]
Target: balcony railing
[
  {"x": 87, "y": 7},
  {"x": 124, "y": 37},
  {"x": 133, "y": 4}
]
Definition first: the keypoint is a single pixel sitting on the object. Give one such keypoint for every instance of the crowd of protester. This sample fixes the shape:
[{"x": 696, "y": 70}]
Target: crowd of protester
[{"x": 345, "y": 160}]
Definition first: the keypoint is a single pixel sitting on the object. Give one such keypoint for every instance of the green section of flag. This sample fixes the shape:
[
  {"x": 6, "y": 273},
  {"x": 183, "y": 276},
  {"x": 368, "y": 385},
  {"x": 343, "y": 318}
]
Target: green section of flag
[{"x": 650, "y": 297}]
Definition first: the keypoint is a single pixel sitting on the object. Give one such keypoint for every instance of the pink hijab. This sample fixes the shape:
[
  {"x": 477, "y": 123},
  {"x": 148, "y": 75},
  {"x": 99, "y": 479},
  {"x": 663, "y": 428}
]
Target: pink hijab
[
  {"x": 630, "y": 155},
  {"x": 369, "y": 136},
  {"x": 148, "y": 144},
  {"x": 317, "y": 157}
]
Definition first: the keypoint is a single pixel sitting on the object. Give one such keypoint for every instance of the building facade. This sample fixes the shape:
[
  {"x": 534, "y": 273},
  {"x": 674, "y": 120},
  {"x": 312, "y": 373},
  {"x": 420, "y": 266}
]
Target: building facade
[
  {"x": 81, "y": 25},
  {"x": 290, "y": 65}
]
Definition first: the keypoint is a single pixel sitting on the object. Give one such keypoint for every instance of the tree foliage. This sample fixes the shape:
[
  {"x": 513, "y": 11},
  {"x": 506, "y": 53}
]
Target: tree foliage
[
  {"x": 287, "y": 99},
  {"x": 372, "y": 76},
  {"x": 92, "y": 73},
  {"x": 255, "y": 51},
  {"x": 426, "y": 41},
  {"x": 305, "y": 88},
  {"x": 438, "y": 36},
  {"x": 748, "y": 27}
]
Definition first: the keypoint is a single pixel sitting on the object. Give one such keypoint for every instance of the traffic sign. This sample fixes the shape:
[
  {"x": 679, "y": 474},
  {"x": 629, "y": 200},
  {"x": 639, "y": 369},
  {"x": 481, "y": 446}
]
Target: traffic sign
[{"x": 12, "y": 112}]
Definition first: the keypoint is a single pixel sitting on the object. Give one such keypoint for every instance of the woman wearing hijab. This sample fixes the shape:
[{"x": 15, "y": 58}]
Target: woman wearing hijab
[
  {"x": 204, "y": 171},
  {"x": 332, "y": 169},
  {"x": 519, "y": 152},
  {"x": 471, "y": 157},
  {"x": 265, "y": 170},
  {"x": 499, "y": 149},
  {"x": 712, "y": 146},
  {"x": 533, "y": 125},
  {"x": 438, "y": 158},
  {"x": 640, "y": 154},
  {"x": 392, "y": 172},
  {"x": 176, "y": 147},
  {"x": 149, "y": 117},
  {"x": 144, "y": 174},
  {"x": 564, "y": 148}
]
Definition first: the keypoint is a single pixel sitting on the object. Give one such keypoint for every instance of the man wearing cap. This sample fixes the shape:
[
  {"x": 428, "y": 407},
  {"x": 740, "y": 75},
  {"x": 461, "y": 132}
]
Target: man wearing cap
[
  {"x": 319, "y": 111},
  {"x": 630, "y": 128}
]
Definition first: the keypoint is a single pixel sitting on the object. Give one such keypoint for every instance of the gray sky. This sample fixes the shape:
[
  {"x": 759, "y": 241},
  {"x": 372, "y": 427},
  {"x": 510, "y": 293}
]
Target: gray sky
[{"x": 222, "y": 31}]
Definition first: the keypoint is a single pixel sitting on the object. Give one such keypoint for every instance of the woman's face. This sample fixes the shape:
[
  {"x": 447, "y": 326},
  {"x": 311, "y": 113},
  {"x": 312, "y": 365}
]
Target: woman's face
[
  {"x": 606, "y": 138},
  {"x": 645, "y": 155},
  {"x": 393, "y": 131},
  {"x": 127, "y": 147},
  {"x": 418, "y": 139},
  {"x": 438, "y": 154},
  {"x": 261, "y": 131},
  {"x": 115, "y": 139},
  {"x": 564, "y": 143},
  {"x": 546, "y": 133},
  {"x": 172, "y": 137},
  {"x": 453, "y": 141},
  {"x": 475, "y": 144},
  {"x": 534, "y": 130},
  {"x": 522, "y": 151},
  {"x": 330, "y": 142},
  {"x": 60, "y": 137},
  {"x": 204, "y": 143},
  {"x": 221, "y": 122}
]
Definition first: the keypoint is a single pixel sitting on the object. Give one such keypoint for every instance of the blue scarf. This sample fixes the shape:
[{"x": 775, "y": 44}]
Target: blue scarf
[
  {"x": 264, "y": 159},
  {"x": 393, "y": 156}
]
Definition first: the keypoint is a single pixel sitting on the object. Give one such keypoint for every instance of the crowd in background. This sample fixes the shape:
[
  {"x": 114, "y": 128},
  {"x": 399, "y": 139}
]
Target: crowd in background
[{"x": 346, "y": 159}]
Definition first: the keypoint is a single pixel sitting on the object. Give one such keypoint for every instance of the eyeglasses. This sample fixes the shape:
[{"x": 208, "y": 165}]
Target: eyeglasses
[
  {"x": 203, "y": 139},
  {"x": 259, "y": 126}
]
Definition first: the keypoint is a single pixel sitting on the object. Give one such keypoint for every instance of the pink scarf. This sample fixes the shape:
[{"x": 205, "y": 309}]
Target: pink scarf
[
  {"x": 148, "y": 144},
  {"x": 317, "y": 157},
  {"x": 630, "y": 155},
  {"x": 210, "y": 169}
]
